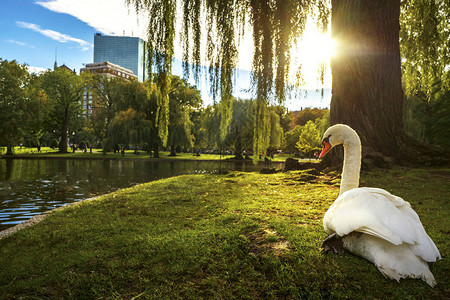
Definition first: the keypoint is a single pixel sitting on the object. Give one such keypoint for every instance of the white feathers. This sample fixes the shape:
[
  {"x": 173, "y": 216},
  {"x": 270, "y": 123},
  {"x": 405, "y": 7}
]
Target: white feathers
[{"x": 375, "y": 224}]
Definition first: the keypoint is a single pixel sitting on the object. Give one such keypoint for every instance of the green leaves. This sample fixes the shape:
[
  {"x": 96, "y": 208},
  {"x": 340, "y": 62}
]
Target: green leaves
[
  {"x": 65, "y": 93},
  {"x": 424, "y": 45},
  {"x": 15, "y": 103},
  {"x": 309, "y": 139}
]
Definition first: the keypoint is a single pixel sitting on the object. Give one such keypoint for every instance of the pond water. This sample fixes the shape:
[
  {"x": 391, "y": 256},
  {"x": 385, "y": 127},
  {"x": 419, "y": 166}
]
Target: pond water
[{"x": 31, "y": 186}]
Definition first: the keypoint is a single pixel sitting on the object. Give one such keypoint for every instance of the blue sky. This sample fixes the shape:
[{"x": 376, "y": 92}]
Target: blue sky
[{"x": 34, "y": 31}]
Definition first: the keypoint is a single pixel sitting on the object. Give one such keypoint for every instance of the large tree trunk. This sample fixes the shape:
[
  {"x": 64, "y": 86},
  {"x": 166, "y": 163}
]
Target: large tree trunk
[{"x": 367, "y": 88}]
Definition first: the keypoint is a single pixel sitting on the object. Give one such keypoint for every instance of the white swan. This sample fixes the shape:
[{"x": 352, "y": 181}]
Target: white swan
[{"x": 373, "y": 223}]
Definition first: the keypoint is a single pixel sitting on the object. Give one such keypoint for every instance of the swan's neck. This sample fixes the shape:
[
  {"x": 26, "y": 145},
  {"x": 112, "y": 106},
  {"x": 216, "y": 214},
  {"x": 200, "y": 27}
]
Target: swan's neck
[{"x": 352, "y": 165}]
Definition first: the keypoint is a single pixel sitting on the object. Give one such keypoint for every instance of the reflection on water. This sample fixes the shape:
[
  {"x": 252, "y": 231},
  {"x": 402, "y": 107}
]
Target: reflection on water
[{"x": 30, "y": 187}]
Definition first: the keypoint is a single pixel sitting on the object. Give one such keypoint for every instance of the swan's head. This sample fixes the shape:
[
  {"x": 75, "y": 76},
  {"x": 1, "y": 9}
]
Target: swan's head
[{"x": 336, "y": 135}]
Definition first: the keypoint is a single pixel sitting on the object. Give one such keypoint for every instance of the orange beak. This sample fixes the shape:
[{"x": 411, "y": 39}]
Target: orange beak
[{"x": 326, "y": 147}]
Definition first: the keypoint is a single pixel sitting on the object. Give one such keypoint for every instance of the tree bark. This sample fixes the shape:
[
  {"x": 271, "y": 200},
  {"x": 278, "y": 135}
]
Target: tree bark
[
  {"x": 65, "y": 127},
  {"x": 172, "y": 151},
  {"x": 9, "y": 150},
  {"x": 367, "y": 90},
  {"x": 155, "y": 150}
]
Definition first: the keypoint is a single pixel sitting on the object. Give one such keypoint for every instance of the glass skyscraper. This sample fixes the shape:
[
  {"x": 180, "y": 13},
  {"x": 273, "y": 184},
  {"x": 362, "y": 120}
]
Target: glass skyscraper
[{"x": 127, "y": 52}]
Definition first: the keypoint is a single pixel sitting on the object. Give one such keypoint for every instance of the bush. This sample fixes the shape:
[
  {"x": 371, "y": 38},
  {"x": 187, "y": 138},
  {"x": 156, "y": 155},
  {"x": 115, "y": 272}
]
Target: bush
[
  {"x": 100, "y": 145},
  {"x": 54, "y": 144}
]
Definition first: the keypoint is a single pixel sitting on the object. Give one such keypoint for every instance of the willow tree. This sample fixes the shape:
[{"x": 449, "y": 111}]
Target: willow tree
[
  {"x": 425, "y": 49},
  {"x": 218, "y": 26},
  {"x": 367, "y": 88},
  {"x": 184, "y": 98}
]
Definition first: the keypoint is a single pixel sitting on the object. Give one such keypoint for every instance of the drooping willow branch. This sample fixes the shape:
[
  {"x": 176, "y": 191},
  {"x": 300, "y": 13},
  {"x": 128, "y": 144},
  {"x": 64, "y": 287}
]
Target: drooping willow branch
[{"x": 211, "y": 31}]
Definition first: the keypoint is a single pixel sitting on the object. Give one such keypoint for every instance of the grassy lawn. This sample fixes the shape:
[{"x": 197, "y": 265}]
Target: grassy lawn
[{"x": 240, "y": 236}]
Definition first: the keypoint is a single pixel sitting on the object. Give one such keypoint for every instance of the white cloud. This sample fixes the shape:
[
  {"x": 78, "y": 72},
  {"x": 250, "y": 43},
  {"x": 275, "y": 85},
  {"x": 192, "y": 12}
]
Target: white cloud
[
  {"x": 36, "y": 70},
  {"x": 115, "y": 17},
  {"x": 21, "y": 44},
  {"x": 57, "y": 36},
  {"x": 110, "y": 17},
  {"x": 16, "y": 42}
]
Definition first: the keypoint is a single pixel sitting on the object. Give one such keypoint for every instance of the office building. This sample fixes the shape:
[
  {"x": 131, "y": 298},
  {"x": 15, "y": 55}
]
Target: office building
[
  {"x": 128, "y": 52},
  {"x": 106, "y": 69}
]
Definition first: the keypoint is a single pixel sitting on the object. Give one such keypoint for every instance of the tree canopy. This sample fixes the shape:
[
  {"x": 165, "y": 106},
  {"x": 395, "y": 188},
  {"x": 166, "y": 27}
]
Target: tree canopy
[
  {"x": 65, "y": 93},
  {"x": 14, "y": 79}
]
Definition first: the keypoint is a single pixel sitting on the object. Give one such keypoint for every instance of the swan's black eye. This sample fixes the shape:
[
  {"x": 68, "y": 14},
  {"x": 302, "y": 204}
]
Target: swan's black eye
[{"x": 327, "y": 139}]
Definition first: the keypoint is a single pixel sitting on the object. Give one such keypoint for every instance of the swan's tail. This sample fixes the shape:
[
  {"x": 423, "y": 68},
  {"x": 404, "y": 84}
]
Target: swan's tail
[
  {"x": 393, "y": 261},
  {"x": 423, "y": 273}
]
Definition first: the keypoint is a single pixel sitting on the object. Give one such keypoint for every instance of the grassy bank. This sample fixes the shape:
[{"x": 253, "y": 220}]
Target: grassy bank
[
  {"x": 240, "y": 235},
  {"x": 47, "y": 152}
]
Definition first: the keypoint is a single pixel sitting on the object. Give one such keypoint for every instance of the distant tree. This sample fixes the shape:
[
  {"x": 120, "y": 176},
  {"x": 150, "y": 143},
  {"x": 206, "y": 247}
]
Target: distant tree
[
  {"x": 65, "y": 93},
  {"x": 107, "y": 92},
  {"x": 130, "y": 124},
  {"x": 88, "y": 132},
  {"x": 323, "y": 123},
  {"x": 14, "y": 103},
  {"x": 198, "y": 133},
  {"x": 206, "y": 128},
  {"x": 309, "y": 114},
  {"x": 128, "y": 127},
  {"x": 291, "y": 139},
  {"x": 240, "y": 134},
  {"x": 286, "y": 117},
  {"x": 38, "y": 110},
  {"x": 183, "y": 98},
  {"x": 309, "y": 139}
]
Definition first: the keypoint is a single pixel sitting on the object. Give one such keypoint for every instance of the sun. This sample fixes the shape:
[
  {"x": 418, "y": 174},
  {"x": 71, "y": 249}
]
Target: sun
[
  {"x": 315, "y": 47},
  {"x": 313, "y": 50}
]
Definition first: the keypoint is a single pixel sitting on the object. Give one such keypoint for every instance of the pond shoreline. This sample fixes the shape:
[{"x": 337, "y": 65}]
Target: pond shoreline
[
  {"x": 132, "y": 158},
  {"x": 38, "y": 218}
]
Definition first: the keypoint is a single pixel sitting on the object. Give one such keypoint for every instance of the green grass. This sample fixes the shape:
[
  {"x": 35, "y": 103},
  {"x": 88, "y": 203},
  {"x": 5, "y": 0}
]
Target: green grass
[{"x": 240, "y": 236}]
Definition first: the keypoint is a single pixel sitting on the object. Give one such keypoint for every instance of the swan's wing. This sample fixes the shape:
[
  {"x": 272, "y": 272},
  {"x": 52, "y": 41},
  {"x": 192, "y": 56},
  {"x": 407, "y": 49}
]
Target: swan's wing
[{"x": 377, "y": 212}]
